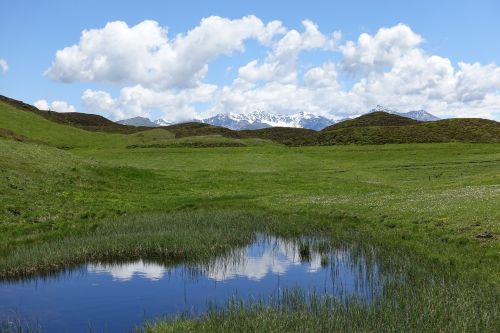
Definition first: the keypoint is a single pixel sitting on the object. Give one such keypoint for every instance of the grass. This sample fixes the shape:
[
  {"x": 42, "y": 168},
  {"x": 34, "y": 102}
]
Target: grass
[
  {"x": 186, "y": 236},
  {"x": 437, "y": 307},
  {"x": 424, "y": 206},
  {"x": 36, "y": 127},
  {"x": 206, "y": 141},
  {"x": 90, "y": 122}
]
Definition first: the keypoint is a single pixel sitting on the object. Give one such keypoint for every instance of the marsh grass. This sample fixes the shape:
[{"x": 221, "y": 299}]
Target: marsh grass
[
  {"x": 166, "y": 237},
  {"x": 416, "y": 296},
  {"x": 18, "y": 326},
  {"x": 429, "y": 305}
]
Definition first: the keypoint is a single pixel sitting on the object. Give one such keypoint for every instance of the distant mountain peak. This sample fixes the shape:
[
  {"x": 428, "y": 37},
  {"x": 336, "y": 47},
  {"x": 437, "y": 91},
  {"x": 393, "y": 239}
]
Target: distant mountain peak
[
  {"x": 420, "y": 115},
  {"x": 381, "y": 108},
  {"x": 162, "y": 122},
  {"x": 138, "y": 121}
]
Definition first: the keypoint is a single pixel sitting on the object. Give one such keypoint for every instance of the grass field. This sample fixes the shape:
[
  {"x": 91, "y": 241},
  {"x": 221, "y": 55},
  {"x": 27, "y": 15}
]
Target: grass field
[{"x": 432, "y": 210}]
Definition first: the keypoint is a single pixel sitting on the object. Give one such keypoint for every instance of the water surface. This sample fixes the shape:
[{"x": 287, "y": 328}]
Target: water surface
[{"x": 118, "y": 297}]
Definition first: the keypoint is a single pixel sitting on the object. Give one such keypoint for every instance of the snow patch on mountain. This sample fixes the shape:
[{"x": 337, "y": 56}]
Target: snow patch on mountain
[{"x": 163, "y": 122}]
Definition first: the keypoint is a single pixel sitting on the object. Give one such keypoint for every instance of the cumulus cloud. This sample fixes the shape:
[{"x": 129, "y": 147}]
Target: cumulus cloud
[
  {"x": 393, "y": 70},
  {"x": 324, "y": 76},
  {"x": 160, "y": 73},
  {"x": 378, "y": 52},
  {"x": 4, "y": 67},
  {"x": 58, "y": 106},
  {"x": 175, "y": 105},
  {"x": 281, "y": 64},
  {"x": 144, "y": 54}
]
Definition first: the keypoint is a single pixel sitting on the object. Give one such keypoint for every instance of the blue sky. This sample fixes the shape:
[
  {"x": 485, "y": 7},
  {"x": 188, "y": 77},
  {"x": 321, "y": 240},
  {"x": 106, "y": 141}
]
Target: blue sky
[{"x": 31, "y": 32}]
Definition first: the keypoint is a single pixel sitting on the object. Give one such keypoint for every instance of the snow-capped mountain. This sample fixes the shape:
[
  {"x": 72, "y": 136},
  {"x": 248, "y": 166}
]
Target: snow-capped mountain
[
  {"x": 162, "y": 122},
  {"x": 420, "y": 115},
  {"x": 262, "y": 119}
]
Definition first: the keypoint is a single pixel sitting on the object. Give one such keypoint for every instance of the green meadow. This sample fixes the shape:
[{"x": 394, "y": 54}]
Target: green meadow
[{"x": 69, "y": 196}]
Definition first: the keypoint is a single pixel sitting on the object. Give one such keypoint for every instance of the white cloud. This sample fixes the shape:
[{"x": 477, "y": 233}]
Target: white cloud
[
  {"x": 4, "y": 67},
  {"x": 144, "y": 54},
  {"x": 418, "y": 80},
  {"x": 127, "y": 271},
  {"x": 281, "y": 64},
  {"x": 42, "y": 104},
  {"x": 58, "y": 106},
  {"x": 324, "y": 76},
  {"x": 175, "y": 105},
  {"x": 158, "y": 73},
  {"x": 475, "y": 81},
  {"x": 375, "y": 53}
]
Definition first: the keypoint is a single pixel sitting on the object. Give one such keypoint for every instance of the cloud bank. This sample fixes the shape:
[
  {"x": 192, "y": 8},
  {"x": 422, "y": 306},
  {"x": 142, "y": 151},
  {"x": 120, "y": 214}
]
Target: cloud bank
[{"x": 168, "y": 74}]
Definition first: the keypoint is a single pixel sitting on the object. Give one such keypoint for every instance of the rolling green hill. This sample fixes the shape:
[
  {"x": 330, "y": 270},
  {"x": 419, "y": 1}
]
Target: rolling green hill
[
  {"x": 382, "y": 129},
  {"x": 90, "y": 122},
  {"x": 22, "y": 122},
  {"x": 285, "y": 135},
  {"x": 374, "y": 119},
  {"x": 200, "y": 129}
]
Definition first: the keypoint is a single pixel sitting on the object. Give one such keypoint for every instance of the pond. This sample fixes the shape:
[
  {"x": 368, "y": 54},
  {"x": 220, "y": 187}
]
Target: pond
[{"x": 120, "y": 296}]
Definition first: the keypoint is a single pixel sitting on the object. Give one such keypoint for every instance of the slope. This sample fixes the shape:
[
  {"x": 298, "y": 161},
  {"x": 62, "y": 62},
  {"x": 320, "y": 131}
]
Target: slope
[
  {"x": 447, "y": 130},
  {"x": 378, "y": 118},
  {"x": 90, "y": 122}
]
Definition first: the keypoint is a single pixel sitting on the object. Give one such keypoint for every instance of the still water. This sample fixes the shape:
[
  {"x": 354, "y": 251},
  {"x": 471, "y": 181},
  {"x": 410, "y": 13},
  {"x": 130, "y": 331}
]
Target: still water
[{"x": 118, "y": 297}]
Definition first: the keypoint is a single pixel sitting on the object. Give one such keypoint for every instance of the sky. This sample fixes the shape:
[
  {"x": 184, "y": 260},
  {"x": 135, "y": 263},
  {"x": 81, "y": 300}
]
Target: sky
[{"x": 180, "y": 60}]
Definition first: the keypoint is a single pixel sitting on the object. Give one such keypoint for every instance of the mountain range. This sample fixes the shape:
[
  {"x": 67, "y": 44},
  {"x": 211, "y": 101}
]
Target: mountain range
[{"x": 262, "y": 119}]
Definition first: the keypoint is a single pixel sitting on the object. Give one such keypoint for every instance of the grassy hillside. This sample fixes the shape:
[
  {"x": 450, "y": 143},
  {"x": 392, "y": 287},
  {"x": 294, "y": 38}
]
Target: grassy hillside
[
  {"x": 195, "y": 129},
  {"x": 373, "y": 119},
  {"x": 36, "y": 127},
  {"x": 90, "y": 122},
  {"x": 447, "y": 130},
  {"x": 285, "y": 135}
]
